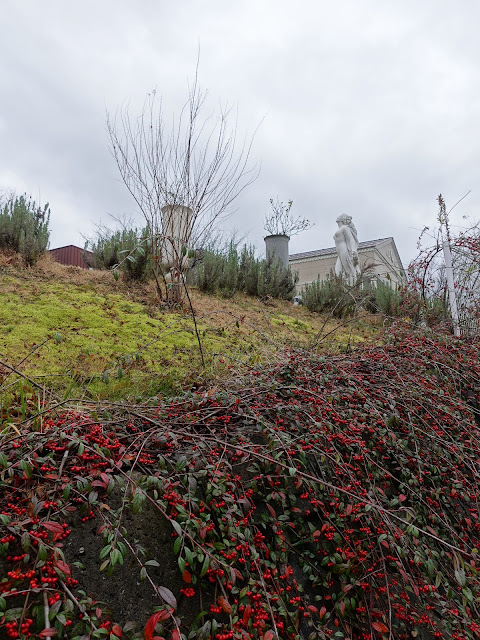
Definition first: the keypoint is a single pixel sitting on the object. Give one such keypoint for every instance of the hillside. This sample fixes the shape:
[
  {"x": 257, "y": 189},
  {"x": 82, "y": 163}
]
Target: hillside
[
  {"x": 286, "y": 493},
  {"x": 84, "y": 335}
]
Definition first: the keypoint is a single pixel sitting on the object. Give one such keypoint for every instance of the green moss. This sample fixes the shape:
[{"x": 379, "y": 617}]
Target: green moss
[
  {"x": 281, "y": 319},
  {"x": 81, "y": 340},
  {"x": 99, "y": 332}
]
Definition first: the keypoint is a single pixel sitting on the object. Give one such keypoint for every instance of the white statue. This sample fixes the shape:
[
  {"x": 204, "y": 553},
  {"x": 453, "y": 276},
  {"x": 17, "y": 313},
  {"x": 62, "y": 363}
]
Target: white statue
[{"x": 346, "y": 243}]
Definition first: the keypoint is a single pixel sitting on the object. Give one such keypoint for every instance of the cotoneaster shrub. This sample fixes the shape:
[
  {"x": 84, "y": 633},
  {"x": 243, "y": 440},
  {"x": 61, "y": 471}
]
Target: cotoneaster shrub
[{"x": 321, "y": 497}]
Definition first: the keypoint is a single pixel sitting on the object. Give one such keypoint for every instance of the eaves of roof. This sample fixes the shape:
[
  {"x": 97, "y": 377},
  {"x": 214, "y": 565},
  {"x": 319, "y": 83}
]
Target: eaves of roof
[{"x": 368, "y": 244}]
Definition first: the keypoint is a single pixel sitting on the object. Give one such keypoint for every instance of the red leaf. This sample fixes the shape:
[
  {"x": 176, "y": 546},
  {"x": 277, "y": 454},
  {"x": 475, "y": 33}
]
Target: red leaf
[
  {"x": 187, "y": 576},
  {"x": 342, "y": 607},
  {"x": 323, "y": 611},
  {"x": 246, "y": 614},
  {"x": 159, "y": 616},
  {"x": 175, "y": 635},
  {"x": 151, "y": 623},
  {"x": 349, "y": 509},
  {"x": 117, "y": 630},
  {"x": 54, "y": 527},
  {"x": 64, "y": 568},
  {"x": 224, "y": 603},
  {"x": 48, "y": 633},
  {"x": 271, "y": 510},
  {"x": 316, "y": 534},
  {"x": 268, "y": 635},
  {"x": 163, "y": 615},
  {"x": 402, "y": 497},
  {"x": 379, "y": 626}
]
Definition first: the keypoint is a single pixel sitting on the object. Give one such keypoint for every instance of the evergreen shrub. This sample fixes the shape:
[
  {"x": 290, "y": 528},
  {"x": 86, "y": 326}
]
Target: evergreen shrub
[
  {"x": 130, "y": 249},
  {"x": 24, "y": 228},
  {"x": 341, "y": 299},
  {"x": 229, "y": 271}
]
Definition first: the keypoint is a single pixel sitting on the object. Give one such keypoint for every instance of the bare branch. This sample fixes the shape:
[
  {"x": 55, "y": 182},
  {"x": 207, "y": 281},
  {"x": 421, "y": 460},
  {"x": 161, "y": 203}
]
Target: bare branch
[
  {"x": 183, "y": 178},
  {"x": 281, "y": 222}
]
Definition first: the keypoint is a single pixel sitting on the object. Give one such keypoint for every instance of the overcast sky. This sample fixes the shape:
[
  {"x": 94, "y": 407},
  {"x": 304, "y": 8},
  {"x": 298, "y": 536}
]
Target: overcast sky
[{"x": 369, "y": 107}]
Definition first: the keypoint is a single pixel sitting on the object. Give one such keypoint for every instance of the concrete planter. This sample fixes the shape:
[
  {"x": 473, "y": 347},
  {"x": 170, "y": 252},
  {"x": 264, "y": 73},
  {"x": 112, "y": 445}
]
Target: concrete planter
[{"x": 277, "y": 245}]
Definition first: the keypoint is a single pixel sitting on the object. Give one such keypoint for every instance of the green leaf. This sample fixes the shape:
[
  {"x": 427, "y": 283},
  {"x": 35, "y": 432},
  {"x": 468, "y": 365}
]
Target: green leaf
[
  {"x": 460, "y": 577},
  {"x": 188, "y": 556},
  {"x": 54, "y": 609},
  {"x": 25, "y": 541},
  {"x": 115, "y": 274},
  {"x": 177, "y": 527},
  {"x": 468, "y": 594},
  {"x": 177, "y": 545},
  {"x": 61, "y": 618},
  {"x": 105, "y": 551},
  {"x": 42, "y": 551},
  {"x": 115, "y": 556},
  {"x": 292, "y": 471},
  {"x": 181, "y": 564},
  {"x": 206, "y": 564},
  {"x": 138, "y": 500},
  {"x": 26, "y": 468}
]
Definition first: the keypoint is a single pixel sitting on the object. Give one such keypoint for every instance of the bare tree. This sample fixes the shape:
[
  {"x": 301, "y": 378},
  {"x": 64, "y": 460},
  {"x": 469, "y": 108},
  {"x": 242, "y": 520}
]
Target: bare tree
[{"x": 184, "y": 177}]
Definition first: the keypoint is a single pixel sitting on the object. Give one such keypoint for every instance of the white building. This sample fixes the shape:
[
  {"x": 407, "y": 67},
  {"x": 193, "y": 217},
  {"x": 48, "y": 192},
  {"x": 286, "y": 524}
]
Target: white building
[{"x": 380, "y": 257}]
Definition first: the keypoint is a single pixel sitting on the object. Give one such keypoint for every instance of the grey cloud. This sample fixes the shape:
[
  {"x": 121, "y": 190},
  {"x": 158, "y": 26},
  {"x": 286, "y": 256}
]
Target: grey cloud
[{"x": 370, "y": 108}]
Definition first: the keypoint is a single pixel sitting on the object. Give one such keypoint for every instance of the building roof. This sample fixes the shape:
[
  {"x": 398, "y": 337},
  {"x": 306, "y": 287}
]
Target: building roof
[
  {"x": 368, "y": 244},
  {"x": 67, "y": 246}
]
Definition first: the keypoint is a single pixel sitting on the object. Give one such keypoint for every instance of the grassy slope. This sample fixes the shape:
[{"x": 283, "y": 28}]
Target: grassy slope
[{"x": 83, "y": 334}]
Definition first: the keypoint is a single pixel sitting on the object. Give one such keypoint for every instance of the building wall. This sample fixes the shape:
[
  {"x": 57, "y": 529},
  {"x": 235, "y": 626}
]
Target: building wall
[
  {"x": 388, "y": 263},
  {"x": 382, "y": 259},
  {"x": 70, "y": 255}
]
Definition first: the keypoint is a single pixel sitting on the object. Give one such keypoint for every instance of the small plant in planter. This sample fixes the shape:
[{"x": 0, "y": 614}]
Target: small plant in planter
[{"x": 281, "y": 222}]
